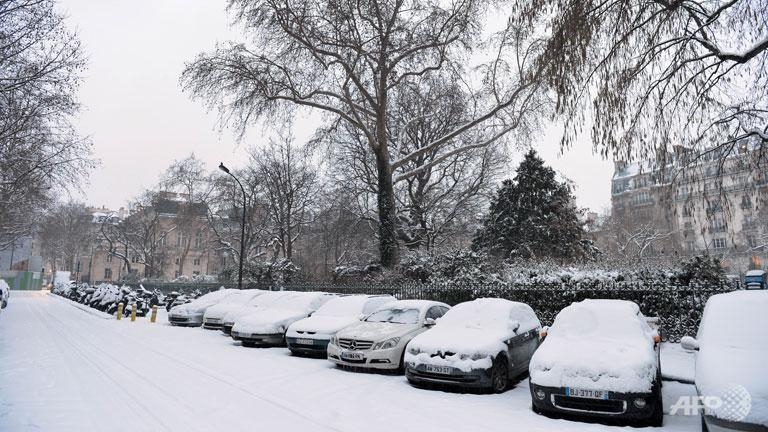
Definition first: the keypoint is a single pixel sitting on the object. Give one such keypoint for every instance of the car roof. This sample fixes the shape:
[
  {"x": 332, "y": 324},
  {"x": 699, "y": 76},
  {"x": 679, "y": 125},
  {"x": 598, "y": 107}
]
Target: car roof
[{"x": 421, "y": 305}]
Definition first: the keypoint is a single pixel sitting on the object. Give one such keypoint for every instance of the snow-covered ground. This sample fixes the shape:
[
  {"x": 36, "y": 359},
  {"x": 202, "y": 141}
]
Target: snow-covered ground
[{"x": 65, "y": 369}]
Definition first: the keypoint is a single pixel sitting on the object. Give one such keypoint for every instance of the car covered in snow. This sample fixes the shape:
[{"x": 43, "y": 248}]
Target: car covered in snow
[
  {"x": 756, "y": 279},
  {"x": 191, "y": 314},
  {"x": 311, "y": 335},
  {"x": 600, "y": 359},
  {"x": 268, "y": 325},
  {"x": 233, "y": 312},
  {"x": 379, "y": 341},
  {"x": 732, "y": 348},
  {"x": 5, "y": 293},
  {"x": 213, "y": 318},
  {"x": 477, "y": 344}
]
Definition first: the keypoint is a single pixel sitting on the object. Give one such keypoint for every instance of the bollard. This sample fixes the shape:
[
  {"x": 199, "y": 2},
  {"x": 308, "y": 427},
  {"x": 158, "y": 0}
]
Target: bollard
[
  {"x": 119, "y": 311},
  {"x": 133, "y": 312},
  {"x": 153, "y": 318}
]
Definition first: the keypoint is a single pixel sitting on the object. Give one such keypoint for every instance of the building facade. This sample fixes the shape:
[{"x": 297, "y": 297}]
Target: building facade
[{"x": 683, "y": 204}]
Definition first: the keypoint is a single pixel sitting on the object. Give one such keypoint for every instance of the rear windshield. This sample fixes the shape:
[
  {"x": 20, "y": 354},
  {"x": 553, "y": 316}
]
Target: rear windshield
[{"x": 395, "y": 315}]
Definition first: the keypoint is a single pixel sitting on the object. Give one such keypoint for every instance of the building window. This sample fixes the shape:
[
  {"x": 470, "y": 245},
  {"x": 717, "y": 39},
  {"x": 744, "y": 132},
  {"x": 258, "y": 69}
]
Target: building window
[
  {"x": 107, "y": 274},
  {"x": 196, "y": 273},
  {"x": 718, "y": 225},
  {"x": 176, "y": 274},
  {"x": 199, "y": 240},
  {"x": 718, "y": 243},
  {"x": 751, "y": 241},
  {"x": 687, "y": 211},
  {"x": 135, "y": 259},
  {"x": 109, "y": 257},
  {"x": 690, "y": 246},
  {"x": 180, "y": 239},
  {"x": 746, "y": 203},
  {"x": 163, "y": 237},
  {"x": 176, "y": 261},
  {"x": 196, "y": 261}
]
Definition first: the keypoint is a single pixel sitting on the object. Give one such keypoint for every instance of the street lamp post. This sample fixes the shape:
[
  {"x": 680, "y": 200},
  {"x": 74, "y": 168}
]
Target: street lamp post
[{"x": 242, "y": 226}]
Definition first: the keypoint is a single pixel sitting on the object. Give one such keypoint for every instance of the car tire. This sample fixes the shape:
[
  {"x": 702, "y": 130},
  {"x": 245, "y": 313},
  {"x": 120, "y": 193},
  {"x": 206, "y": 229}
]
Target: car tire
[
  {"x": 704, "y": 427},
  {"x": 499, "y": 374},
  {"x": 248, "y": 344},
  {"x": 657, "y": 418}
]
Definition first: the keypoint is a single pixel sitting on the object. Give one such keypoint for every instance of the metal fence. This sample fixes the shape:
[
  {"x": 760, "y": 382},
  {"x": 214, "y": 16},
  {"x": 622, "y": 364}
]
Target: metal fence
[{"x": 679, "y": 308}]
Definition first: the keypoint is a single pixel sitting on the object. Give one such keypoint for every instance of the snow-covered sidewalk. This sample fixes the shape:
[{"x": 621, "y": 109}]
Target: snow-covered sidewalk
[{"x": 62, "y": 369}]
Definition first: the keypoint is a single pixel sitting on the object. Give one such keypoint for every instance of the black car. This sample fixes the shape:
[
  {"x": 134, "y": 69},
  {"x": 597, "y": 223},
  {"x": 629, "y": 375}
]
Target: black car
[
  {"x": 599, "y": 361},
  {"x": 481, "y": 344}
]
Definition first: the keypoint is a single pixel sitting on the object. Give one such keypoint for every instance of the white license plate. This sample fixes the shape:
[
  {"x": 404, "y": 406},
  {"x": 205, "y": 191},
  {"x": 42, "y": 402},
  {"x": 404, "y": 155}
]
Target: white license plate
[
  {"x": 349, "y": 355},
  {"x": 305, "y": 341},
  {"x": 445, "y": 370},
  {"x": 584, "y": 393}
]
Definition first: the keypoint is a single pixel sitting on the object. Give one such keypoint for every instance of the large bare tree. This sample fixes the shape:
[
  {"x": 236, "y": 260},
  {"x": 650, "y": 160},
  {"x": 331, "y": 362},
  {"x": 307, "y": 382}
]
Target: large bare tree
[
  {"x": 65, "y": 234},
  {"x": 348, "y": 59}
]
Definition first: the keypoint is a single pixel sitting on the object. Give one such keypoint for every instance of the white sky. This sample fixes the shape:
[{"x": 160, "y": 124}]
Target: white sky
[{"x": 140, "y": 121}]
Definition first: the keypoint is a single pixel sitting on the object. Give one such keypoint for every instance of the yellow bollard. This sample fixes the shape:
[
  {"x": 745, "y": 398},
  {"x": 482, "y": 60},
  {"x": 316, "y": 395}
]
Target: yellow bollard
[
  {"x": 119, "y": 311},
  {"x": 133, "y": 312},
  {"x": 153, "y": 318}
]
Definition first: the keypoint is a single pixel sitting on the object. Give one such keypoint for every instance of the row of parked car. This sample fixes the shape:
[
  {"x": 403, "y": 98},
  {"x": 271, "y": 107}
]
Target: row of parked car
[{"x": 600, "y": 358}]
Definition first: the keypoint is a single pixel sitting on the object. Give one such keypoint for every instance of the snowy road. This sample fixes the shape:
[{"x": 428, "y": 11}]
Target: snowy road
[{"x": 66, "y": 369}]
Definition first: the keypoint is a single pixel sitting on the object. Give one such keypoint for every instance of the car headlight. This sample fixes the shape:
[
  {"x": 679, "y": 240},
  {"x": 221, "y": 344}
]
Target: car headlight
[
  {"x": 334, "y": 340},
  {"x": 387, "y": 344}
]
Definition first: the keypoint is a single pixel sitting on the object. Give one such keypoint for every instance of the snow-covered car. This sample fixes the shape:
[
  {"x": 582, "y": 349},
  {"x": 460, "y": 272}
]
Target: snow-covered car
[
  {"x": 477, "y": 344},
  {"x": 213, "y": 318},
  {"x": 5, "y": 293},
  {"x": 311, "y": 335},
  {"x": 379, "y": 341},
  {"x": 600, "y": 359},
  {"x": 268, "y": 326},
  {"x": 191, "y": 314},
  {"x": 731, "y": 376},
  {"x": 260, "y": 302}
]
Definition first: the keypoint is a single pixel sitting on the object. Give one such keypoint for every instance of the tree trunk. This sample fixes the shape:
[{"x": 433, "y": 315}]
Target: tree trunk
[{"x": 389, "y": 249}]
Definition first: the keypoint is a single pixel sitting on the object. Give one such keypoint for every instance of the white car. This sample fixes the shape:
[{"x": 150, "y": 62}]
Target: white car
[
  {"x": 378, "y": 342},
  {"x": 260, "y": 302},
  {"x": 311, "y": 335},
  {"x": 477, "y": 344},
  {"x": 600, "y": 359},
  {"x": 191, "y": 314},
  {"x": 731, "y": 375},
  {"x": 213, "y": 318},
  {"x": 5, "y": 292},
  {"x": 268, "y": 326}
]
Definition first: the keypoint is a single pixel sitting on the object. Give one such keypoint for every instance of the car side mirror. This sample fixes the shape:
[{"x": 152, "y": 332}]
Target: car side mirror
[
  {"x": 543, "y": 333},
  {"x": 690, "y": 344},
  {"x": 514, "y": 326},
  {"x": 429, "y": 322}
]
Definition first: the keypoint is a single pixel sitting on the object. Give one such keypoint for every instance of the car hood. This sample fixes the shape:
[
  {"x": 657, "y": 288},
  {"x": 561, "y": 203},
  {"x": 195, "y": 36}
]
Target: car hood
[
  {"x": 269, "y": 321},
  {"x": 625, "y": 366},
  {"x": 460, "y": 347},
  {"x": 742, "y": 383},
  {"x": 327, "y": 325},
  {"x": 374, "y": 332},
  {"x": 186, "y": 309}
]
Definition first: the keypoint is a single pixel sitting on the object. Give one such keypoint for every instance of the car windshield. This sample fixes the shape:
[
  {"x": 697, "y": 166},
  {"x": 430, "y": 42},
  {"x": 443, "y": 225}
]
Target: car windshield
[
  {"x": 395, "y": 315},
  {"x": 589, "y": 321}
]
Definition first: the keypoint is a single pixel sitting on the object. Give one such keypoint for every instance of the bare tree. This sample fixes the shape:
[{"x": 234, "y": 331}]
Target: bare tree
[
  {"x": 287, "y": 180},
  {"x": 39, "y": 149},
  {"x": 651, "y": 74},
  {"x": 65, "y": 233},
  {"x": 349, "y": 58}
]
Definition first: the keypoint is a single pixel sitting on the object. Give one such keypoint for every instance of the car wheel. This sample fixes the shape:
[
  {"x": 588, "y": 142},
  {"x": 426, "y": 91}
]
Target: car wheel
[
  {"x": 499, "y": 374},
  {"x": 248, "y": 344}
]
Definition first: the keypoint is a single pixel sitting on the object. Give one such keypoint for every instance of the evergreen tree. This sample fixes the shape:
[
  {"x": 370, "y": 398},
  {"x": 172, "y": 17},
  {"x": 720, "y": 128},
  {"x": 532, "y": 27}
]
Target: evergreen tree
[{"x": 532, "y": 216}]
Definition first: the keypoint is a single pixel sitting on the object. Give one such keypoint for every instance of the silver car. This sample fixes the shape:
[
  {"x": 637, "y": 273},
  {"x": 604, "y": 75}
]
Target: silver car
[
  {"x": 191, "y": 314},
  {"x": 379, "y": 341}
]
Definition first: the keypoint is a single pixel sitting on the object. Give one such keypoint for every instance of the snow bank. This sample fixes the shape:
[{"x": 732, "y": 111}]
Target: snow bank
[
  {"x": 731, "y": 360},
  {"x": 599, "y": 345},
  {"x": 470, "y": 334}
]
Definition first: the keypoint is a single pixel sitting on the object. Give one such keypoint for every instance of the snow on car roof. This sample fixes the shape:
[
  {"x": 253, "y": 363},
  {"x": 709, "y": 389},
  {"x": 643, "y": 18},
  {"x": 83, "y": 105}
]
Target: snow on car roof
[
  {"x": 348, "y": 305},
  {"x": 302, "y": 300},
  {"x": 755, "y": 273},
  {"x": 736, "y": 319},
  {"x": 607, "y": 318},
  {"x": 412, "y": 304},
  {"x": 491, "y": 313}
]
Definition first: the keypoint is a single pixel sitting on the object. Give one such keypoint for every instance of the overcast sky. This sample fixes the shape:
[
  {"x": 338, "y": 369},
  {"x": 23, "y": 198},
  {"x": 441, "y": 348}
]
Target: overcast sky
[{"x": 140, "y": 121}]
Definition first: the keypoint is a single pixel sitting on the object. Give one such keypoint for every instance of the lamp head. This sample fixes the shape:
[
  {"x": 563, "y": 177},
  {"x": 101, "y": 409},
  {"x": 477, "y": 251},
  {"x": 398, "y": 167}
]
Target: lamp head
[{"x": 223, "y": 168}]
